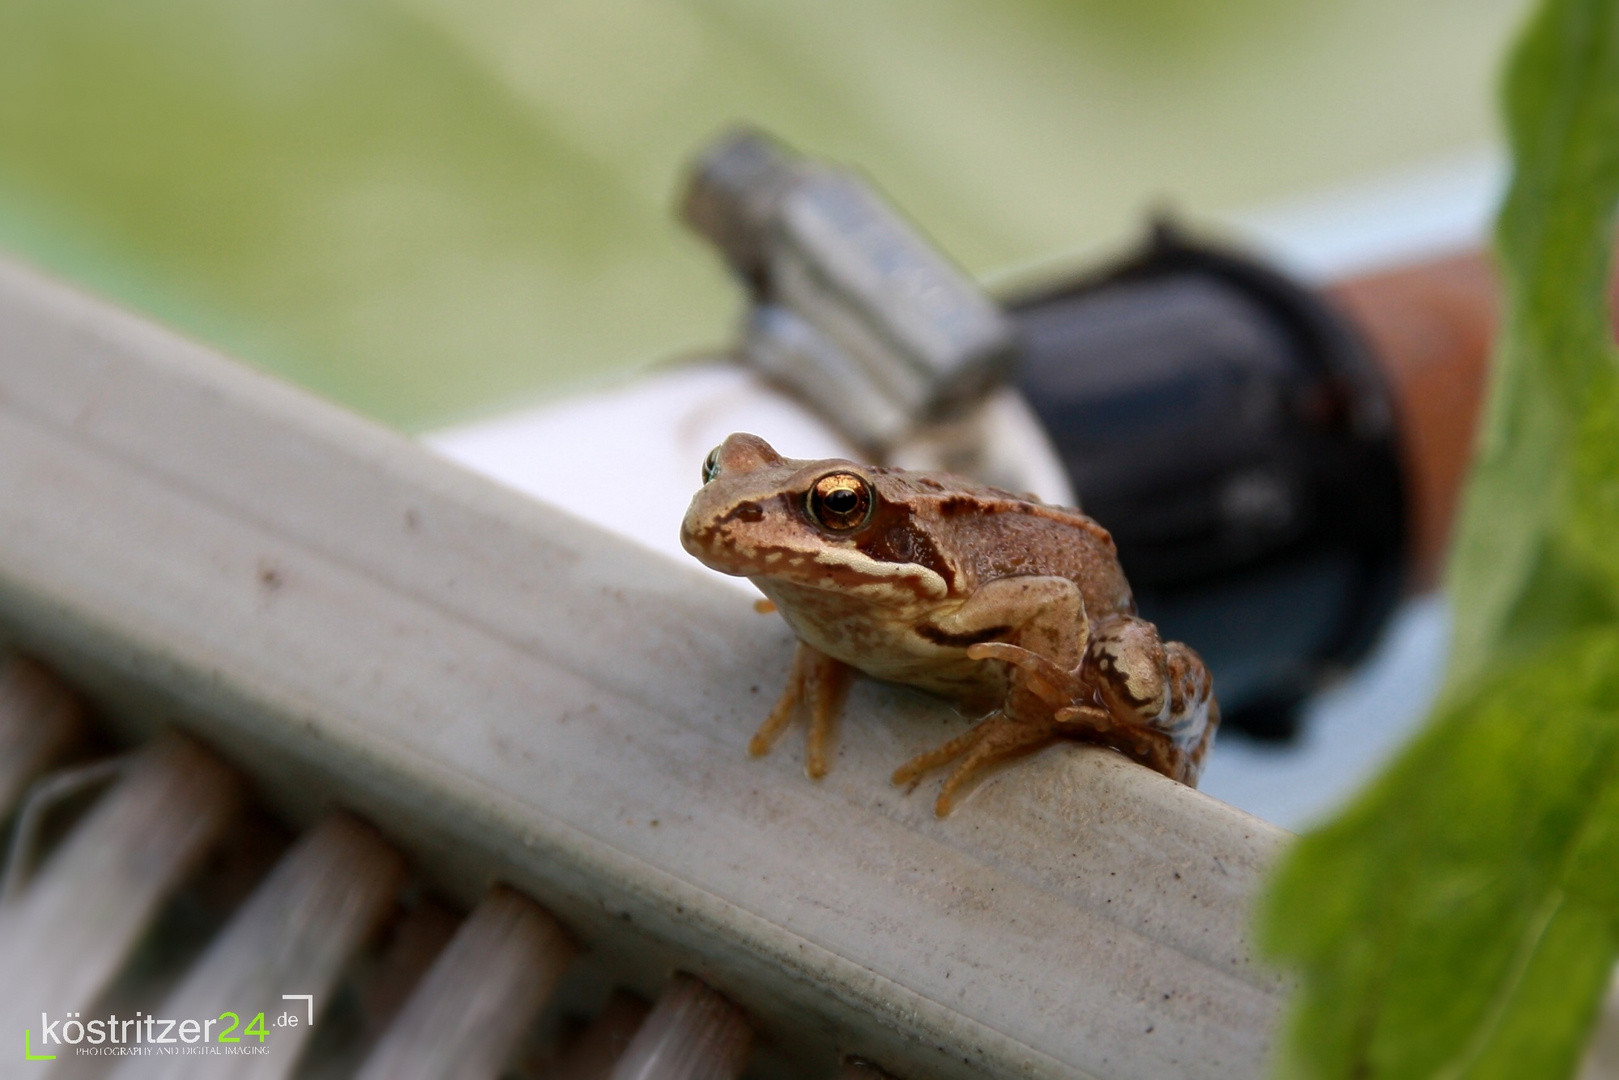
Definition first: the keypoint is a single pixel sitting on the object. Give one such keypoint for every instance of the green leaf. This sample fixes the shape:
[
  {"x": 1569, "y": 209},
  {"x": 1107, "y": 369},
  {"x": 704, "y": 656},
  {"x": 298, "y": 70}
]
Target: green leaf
[
  {"x": 1423, "y": 917},
  {"x": 1461, "y": 919},
  {"x": 1555, "y": 365}
]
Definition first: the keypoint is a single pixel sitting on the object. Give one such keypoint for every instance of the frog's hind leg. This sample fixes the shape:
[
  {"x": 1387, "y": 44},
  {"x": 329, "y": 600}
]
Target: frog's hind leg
[
  {"x": 821, "y": 681},
  {"x": 943, "y": 755},
  {"x": 989, "y": 741},
  {"x": 1160, "y": 695},
  {"x": 1002, "y": 740}
]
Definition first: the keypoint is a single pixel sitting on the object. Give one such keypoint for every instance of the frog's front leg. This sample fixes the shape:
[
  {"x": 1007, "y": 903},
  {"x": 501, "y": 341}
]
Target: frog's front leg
[
  {"x": 1041, "y": 617},
  {"x": 822, "y": 681}
]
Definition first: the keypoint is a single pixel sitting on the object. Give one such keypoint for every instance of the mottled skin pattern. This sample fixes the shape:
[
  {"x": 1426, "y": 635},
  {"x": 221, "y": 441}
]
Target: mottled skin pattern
[{"x": 994, "y": 601}]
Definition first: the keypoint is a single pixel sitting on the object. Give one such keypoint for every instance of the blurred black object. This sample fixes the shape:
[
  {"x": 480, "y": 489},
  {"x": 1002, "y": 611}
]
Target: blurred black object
[{"x": 1238, "y": 440}]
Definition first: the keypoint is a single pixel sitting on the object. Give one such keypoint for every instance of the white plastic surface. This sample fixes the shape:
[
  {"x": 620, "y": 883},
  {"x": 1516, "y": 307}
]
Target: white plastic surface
[{"x": 515, "y": 695}]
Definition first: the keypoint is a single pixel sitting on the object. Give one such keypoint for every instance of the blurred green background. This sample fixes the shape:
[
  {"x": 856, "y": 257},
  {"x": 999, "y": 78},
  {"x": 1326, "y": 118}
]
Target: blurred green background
[{"x": 431, "y": 209}]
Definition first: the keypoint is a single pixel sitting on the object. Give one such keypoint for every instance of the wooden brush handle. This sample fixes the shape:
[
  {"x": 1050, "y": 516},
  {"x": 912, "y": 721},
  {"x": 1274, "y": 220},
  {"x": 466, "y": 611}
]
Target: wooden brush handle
[{"x": 1431, "y": 326}]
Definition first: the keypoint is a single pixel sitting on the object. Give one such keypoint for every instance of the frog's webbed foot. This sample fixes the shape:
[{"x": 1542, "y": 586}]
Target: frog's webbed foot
[
  {"x": 1150, "y": 699},
  {"x": 990, "y": 740},
  {"x": 822, "y": 681}
]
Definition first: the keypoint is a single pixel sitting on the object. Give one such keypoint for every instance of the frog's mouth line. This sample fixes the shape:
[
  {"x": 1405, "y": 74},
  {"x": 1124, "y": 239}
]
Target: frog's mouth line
[{"x": 856, "y": 568}]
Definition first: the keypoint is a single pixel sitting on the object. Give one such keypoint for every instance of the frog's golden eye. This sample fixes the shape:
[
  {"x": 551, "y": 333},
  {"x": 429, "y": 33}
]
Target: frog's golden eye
[
  {"x": 711, "y": 466},
  {"x": 840, "y": 502}
]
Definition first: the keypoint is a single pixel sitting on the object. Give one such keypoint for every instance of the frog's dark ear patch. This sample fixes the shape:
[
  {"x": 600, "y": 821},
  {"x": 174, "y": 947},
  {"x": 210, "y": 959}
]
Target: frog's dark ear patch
[
  {"x": 742, "y": 453},
  {"x": 893, "y": 538}
]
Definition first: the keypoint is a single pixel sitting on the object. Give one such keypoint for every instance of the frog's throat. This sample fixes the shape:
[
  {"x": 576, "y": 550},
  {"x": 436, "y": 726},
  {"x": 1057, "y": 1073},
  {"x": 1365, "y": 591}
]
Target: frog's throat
[{"x": 882, "y": 575}]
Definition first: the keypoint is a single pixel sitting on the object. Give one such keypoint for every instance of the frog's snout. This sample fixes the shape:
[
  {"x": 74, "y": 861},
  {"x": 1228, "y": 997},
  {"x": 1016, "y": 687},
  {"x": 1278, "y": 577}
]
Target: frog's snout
[
  {"x": 720, "y": 529},
  {"x": 703, "y": 530},
  {"x": 692, "y": 532},
  {"x": 735, "y": 475}
]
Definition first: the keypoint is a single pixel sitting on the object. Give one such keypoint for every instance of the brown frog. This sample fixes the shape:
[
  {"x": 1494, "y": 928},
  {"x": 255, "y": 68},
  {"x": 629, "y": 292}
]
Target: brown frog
[{"x": 987, "y": 598}]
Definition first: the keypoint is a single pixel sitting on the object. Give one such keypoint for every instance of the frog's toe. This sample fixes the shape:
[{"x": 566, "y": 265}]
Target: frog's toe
[
  {"x": 997, "y": 739},
  {"x": 827, "y": 681},
  {"x": 1017, "y": 656},
  {"x": 924, "y": 763},
  {"x": 780, "y": 716},
  {"x": 768, "y": 733},
  {"x": 819, "y": 681},
  {"x": 1045, "y": 678}
]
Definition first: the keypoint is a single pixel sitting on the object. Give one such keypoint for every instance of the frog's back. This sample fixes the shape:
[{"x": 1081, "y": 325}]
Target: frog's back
[{"x": 1012, "y": 537}]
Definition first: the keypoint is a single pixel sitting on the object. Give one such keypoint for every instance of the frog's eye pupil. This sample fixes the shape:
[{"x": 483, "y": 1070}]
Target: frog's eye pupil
[
  {"x": 711, "y": 466},
  {"x": 840, "y": 502}
]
